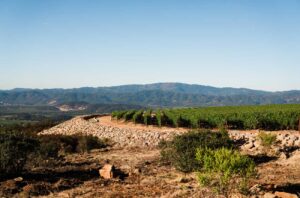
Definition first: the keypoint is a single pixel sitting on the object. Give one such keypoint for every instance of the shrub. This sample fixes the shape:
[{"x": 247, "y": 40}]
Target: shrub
[
  {"x": 52, "y": 145},
  {"x": 267, "y": 139},
  {"x": 180, "y": 152},
  {"x": 138, "y": 117},
  {"x": 158, "y": 118},
  {"x": 147, "y": 117},
  {"x": 87, "y": 143},
  {"x": 118, "y": 114},
  {"x": 220, "y": 166},
  {"x": 14, "y": 150},
  {"x": 129, "y": 115},
  {"x": 49, "y": 149}
]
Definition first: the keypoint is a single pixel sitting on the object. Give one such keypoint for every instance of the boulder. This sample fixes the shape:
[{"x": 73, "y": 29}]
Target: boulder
[
  {"x": 107, "y": 171},
  {"x": 285, "y": 195}
]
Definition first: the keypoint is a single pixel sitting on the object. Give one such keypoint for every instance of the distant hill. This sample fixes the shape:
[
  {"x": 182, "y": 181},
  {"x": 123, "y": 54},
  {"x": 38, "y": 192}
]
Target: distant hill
[{"x": 154, "y": 95}]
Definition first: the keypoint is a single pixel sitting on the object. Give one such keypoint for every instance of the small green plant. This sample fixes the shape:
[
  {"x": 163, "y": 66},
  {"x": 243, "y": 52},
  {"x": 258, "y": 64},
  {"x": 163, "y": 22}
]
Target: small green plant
[
  {"x": 221, "y": 169},
  {"x": 267, "y": 139},
  {"x": 180, "y": 152}
]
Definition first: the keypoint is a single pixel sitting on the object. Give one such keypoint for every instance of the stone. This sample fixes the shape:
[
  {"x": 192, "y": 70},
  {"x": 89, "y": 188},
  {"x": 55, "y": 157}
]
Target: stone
[
  {"x": 64, "y": 195},
  {"x": 297, "y": 143},
  {"x": 269, "y": 195},
  {"x": 285, "y": 195},
  {"x": 257, "y": 144},
  {"x": 107, "y": 171},
  {"x": 184, "y": 180},
  {"x": 28, "y": 188},
  {"x": 248, "y": 146},
  {"x": 137, "y": 171},
  {"x": 18, "y": 179},
  {"x": 125, "y": 168},
  {"x": 290, "y": 143},
  {"x": 283, "y": 156},
  {"x": 255, "y": 189},
  {"x": 148, "y": 181}
]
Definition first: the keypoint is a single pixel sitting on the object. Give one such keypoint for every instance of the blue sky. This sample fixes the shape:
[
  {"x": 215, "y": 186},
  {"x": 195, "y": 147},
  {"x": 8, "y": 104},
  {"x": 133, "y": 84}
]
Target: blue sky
[{"x": 75, "y": 43}]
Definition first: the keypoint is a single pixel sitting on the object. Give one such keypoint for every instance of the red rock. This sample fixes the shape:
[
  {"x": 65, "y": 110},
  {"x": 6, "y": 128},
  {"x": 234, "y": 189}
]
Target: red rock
[{"x": 107, "y": 171}]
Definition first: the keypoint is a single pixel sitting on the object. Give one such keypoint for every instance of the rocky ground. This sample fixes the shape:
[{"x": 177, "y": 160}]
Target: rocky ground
[
  {"x": 120, "y": 133},
  {"x": 141, "y": 174},
  {"x": 124, "y": 134}
]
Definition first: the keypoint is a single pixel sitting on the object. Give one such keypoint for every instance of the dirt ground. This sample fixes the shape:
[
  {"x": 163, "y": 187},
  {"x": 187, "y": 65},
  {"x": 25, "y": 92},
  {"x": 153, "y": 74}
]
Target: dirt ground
[
  {"x": 142, "y": 174},
  {"x": 145, "y": 176}
]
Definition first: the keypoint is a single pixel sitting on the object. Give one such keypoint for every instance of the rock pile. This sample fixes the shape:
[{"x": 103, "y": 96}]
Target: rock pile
[
  {"x": 121, "y": 137},
  {"x": 284, "y": 140},
  {"x": 150, "y": 137}
]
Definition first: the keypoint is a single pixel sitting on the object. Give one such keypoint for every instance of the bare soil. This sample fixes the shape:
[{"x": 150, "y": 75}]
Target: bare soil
[{"x": 143, "y": 174}]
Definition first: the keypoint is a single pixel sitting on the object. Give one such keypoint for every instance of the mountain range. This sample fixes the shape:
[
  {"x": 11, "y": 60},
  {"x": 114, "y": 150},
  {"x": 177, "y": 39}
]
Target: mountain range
[{"x": 149, "y": 95}]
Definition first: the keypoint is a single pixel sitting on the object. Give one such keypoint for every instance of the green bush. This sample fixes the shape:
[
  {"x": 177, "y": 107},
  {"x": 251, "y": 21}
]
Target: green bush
[
  {"x": 180, "y": 152},
  {"x": 118, "y": 114},
  {"x": 267, "y": 139},
  {"x": 138, "y": 117},
  {"x": 14, "y": 150},
  {"x": 147, "y": 117},
  {"x": 129, "y": 115},
  {"x": 158, "y": 118},
  {"x": 223, "y": 168}
]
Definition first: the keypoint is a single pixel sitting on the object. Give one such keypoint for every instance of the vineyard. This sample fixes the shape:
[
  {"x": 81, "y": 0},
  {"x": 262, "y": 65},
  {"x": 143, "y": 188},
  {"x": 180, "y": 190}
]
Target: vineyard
[{"x": 266, "y": 117}]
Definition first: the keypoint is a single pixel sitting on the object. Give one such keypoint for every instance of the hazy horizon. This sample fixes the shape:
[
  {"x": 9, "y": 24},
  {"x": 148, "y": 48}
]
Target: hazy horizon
[
  {"x": 74, "y": 43},
  {"x": 142, "y": 84}
]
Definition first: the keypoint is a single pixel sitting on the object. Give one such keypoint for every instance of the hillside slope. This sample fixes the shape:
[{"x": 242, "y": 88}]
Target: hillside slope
[{"x": 154, "y": 95}]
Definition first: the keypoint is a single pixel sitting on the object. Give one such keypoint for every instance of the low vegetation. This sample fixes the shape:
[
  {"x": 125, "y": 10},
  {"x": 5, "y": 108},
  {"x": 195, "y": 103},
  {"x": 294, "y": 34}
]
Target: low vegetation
[
  {"x": 214, "y": 158},
  {"x": 267, "y": 139},
  {"x": 53, "y": 145},
  {"x": 180, "y": 152},
  {"x": 267, "y": 117},
  {"x": 223, "y": 169},
  {"x": 17, "y": 147},
  {"x": 14, "y": 150}
]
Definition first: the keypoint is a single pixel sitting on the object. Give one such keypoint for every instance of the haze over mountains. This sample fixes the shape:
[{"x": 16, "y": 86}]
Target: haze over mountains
[{"x": 154, "y": 95}]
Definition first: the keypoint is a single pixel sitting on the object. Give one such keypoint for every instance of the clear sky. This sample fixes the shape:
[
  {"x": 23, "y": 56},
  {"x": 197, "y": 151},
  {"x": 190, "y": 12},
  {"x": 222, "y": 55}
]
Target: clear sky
[{"x": 75, "y": 43}]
